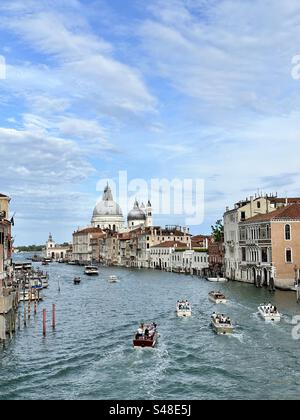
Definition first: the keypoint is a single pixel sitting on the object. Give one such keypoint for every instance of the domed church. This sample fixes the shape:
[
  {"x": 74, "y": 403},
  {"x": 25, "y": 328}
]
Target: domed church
[
  {"x": 140, "y": 216},
  {"x": 107, "y": 213}
]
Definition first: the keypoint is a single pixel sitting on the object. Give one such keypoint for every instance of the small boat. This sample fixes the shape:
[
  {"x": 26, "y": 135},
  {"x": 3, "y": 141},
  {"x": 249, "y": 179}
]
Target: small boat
[
  {"x": 146, "y": 336},
  {"x": 45, "y": 283},
  {"x": 113, "y": 279},
  {"x": 221, "y": 324},
  {"x": 91, "y": 270},
  {"x": 45, "y": 263},
  {"x": 269, "y": 312},
  {"x": 183, "y": 308},
  {"x": 77, "y": 280},
  {"x": 217, "y": 279},
  {"x": 71, "y": 263},
  {"x": 217, "y": 297}
]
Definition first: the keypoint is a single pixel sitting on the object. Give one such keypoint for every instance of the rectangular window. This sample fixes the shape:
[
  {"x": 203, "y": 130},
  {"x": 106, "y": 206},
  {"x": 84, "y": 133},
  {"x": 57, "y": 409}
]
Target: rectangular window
[
  {"x": 243, "y": 254},
  {"x": 243, "y": 215},
  {"x": 264, "y": 255},
  {"x": 288, "y": 256}
]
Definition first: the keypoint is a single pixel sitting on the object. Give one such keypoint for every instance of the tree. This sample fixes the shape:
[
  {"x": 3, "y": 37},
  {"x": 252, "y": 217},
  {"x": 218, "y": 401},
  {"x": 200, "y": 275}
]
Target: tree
[{"x": 218, "y": 230}]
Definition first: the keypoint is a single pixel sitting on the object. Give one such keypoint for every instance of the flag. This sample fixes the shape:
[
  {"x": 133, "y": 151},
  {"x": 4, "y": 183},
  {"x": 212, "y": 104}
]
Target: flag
[{"x": 12, "y": 221}]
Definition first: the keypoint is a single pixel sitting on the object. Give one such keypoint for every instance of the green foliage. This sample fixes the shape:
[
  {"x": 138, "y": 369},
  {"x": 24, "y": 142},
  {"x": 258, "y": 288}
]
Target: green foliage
[
  {"x": 218, "y": 230},
  {"x": 30, "y": 248}
]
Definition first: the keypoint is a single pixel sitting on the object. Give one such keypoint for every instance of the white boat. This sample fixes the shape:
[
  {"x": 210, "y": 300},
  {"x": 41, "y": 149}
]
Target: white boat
[
  {"x": 221, "y": 324},
  {"x": 45, "y": 284},
  {"x": 91, "y": 270},
  {"x": 113, "y": 279},
  {"x": 217, "y": 279},
  {"x": 269, "y": 312},
  {"x": 217, "y": 297},
  {"x": 183, "y": 308}
]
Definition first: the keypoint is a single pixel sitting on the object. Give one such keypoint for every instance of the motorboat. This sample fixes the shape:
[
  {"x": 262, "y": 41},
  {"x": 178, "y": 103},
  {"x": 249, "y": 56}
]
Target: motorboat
[
  {"x": 113, "y": 279},
  {"x": 217, "y": 297},
  {"x": 91, "y": 270},
  {"x": 145, "y": 336},
  {"x": 269, "y": 312},
  {"x": 221, "y": 324},
  {"x": 77, "y": 280},
  {"x": 217, "y": 279},
  {"x": 183, "y": 308},
  {"x": 45, "y": 283}
]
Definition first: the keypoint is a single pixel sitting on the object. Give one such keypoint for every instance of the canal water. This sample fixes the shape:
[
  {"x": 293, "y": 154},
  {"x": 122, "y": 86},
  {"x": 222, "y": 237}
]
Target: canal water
[{"x": 90, "y": 355}]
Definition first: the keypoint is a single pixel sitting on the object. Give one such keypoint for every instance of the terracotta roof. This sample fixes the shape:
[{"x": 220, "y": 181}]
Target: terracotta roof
[
  {"x": 88, "y": 230},
  {"x": 171, "y": 244},
  {"x": 289, "y": 212},
  {"x": 283, "y": 200}
]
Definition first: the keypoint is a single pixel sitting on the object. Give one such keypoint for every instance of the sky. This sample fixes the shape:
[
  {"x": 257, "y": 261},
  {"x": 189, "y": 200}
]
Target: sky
[{"x": 182, "y": 89}]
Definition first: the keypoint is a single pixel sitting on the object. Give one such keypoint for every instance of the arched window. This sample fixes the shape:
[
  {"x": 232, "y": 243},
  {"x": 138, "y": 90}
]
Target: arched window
[{"x": 287, "y": 232}]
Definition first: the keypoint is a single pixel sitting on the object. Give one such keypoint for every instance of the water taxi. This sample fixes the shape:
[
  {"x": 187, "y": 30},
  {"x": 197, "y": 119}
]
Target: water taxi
[
  {"x": 221, "y": 324},
  {"x": 183, "y": 308},
  {"x": 77, "y": 280},
  {"x": 113, "y": 279},
  {"x": 217, "y": 297},
  {"x": 91, "y": 270},
  {"x": 269, "y": 312},
  {"x": 145, "y": 336}
]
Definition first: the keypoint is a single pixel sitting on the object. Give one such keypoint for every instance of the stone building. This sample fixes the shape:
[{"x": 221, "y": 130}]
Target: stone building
[
  {"x": 83, "y": 242},
  {"x": 270, "y": 247},
  {"x": 8, "y": 296},
  {"x": 55, "y": 251},
  {"x": 242, "y": 211}
]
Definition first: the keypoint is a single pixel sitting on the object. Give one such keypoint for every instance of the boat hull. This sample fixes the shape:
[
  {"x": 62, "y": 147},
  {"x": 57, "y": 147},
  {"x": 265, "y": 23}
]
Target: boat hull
[
  {"x": 217, "y": 301},
  {"x": 145, "y": 342},
  {"x": 222, "y": 329},
  {"x": 269, "y": 317},
  {"x": 217, "y": 279},
  {"x": 182, "y": 313}
]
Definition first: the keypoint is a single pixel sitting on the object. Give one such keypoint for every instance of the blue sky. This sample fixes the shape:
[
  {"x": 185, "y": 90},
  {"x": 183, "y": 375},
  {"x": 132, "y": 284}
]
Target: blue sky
[{"x": 178, "y": 89}]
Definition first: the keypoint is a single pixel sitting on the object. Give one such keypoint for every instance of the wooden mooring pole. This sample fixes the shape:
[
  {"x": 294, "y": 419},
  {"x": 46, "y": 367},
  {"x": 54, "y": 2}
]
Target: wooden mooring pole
[
  {"x": 53, "y": 316},
  {"x": 44, "y": 322}
]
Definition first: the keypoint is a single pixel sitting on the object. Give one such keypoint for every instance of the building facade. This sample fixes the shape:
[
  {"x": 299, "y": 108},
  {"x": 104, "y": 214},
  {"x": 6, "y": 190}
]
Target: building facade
[
  {"x": 270, "y": 248},
  {"x": 56, "y": 252},
  {"x": 84, "y": 244},
  {"x": 242, "y": 211}
]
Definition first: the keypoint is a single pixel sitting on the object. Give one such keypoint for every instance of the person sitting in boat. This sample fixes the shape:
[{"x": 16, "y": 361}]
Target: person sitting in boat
[
  {"x": 139, "y": 333},
  {"x": 146, "y": 333}
]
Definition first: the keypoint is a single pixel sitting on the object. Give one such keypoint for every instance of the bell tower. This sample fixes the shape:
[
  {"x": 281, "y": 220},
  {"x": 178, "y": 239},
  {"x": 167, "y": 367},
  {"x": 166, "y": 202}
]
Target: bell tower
[{"x": 149, "y": 215}]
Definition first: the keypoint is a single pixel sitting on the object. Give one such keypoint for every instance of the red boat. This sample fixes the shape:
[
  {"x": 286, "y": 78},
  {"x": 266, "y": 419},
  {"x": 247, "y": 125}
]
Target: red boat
[{"x": 146, "y": 336}]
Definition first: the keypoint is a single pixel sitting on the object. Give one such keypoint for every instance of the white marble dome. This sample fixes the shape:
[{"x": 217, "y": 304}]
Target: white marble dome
[{"x": 107, "y": 213}]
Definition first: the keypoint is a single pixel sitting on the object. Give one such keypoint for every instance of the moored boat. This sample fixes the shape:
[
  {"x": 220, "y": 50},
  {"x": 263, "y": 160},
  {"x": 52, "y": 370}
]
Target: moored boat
[
  {"x": 269, "y": 312},
  {"x": 26, "y": 296},
  {"x": 183, "y": 308},
  {"x": 221, "y": 324},
  {"x": 146, "y": 336},
  {"x": 217, "y": 279},
  {"x": 91, "y": 270},
  {"x": 217, "y": 297}
]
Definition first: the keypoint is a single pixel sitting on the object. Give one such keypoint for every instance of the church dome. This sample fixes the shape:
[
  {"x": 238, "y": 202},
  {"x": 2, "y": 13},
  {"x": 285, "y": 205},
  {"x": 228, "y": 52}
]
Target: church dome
[
  {"x": 107, "y": 206},
  {"x": 136, "y": 214}
]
